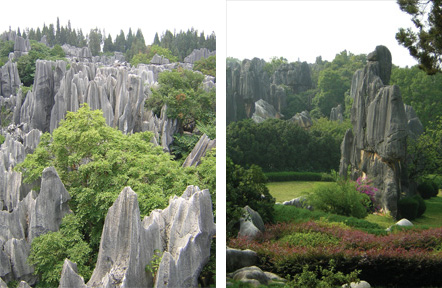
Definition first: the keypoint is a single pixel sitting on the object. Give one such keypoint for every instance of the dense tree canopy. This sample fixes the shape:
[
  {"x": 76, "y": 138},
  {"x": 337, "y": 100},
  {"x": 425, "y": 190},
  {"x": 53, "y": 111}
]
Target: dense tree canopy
[
  {"x": 425, "y": 45},
  {"x": 278, "y": 145}
]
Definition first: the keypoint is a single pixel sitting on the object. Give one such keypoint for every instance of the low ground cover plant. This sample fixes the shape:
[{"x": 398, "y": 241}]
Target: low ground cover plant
[{"x": 404, "y": 258}]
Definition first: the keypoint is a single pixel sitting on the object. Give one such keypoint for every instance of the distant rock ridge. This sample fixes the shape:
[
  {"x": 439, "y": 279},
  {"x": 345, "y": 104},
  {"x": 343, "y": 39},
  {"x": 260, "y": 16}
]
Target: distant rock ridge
[
  {"x": 248, "y": 82},
  {"x": 198, "y": 54},
  {"x": 376, "y": 146}
]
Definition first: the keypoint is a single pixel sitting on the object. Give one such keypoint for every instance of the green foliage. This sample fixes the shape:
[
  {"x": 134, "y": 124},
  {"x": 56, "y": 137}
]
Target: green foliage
[
  {"x": 246, "y": 187},
  {"x": 6, "y": 47},
  {"x": 95, "y": 162},
  {"x": 49, "y": 251},
  {"x": 277, "y": 145},
  {"x": 155, "y": 49},
  {"x": 154, "y": 264},
  {"x": 426, "y": 189},
  {"x": 424, "y": 45},
  {"x": 419, "y": 90},
  {"x": 425, "y": 153},
  {"x": 320, "y": 277},
  {"x": 341, "y": 198},
  {"x": 422, "y": 207},
  {"x": 311, "y": 239},
  {"x": 408, "y": 207},
  {"x": 207, "y": 66},
  {"x": 139, "y": 58},
  {"x": 2, "y": 139},
  {"x": 95, "y": 39},
  {"x": 273, "y": 65},
  {"x": 182, "y": 145},
  {"x": 181, "y": 90},
  {"x": 26, "y": 63},
  {"x": 297, "y": 103}
]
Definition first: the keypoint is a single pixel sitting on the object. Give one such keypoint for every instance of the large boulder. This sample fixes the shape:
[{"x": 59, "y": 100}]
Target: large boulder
[
  {"x": 237, "y": 259},
  {"x": 302, "y": 119},
  {"x": 263, "y": 111},
  {"x": 376, "y": 146}
]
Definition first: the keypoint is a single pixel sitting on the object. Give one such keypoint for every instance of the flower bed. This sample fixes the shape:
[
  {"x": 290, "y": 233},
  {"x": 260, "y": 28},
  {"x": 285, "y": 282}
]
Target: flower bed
[{"x": 405, "y": 258}]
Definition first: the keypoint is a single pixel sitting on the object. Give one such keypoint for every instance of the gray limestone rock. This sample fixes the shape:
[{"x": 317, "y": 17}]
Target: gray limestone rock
[
  {"x": 182, "y": 233},
  {"x": 200, "y": 150},
  {"x": 251, "y": 223},
  {"x": 159, "y": 60},
  {"x": 302, "y": 119},
  {"x": 50, "y": 206},
  {"x": 376, "y": 146},
  {"x": 9, "y": 79},
  {"x": 198, "y": 54},
  {"x": 252, "y": 275},
  {"x": 21, "y": 46},
  {"x": 23, "y": 284},
  {"x": 69, "y": 276},
  {"x": 336, "y": 114},
  {"x": 18, "y": 252},
  {"x": 263, "y": 111},
  {"x": 361, "y": 284},
  {"x": 3, "y": 284},
  {"x": 297, "y": 76},
  {"x": 414, "y": 125},
  {"x": 237, "y": 259}
]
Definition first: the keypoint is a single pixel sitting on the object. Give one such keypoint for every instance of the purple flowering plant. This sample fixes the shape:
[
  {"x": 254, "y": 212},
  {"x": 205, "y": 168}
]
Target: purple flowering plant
[{"x": 364, "y": 185}]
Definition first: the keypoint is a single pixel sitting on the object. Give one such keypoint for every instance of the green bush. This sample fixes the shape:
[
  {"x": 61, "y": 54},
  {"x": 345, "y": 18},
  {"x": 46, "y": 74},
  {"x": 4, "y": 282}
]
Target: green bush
[
  {"x": 2, "y": 139},
  {"x": 426, "y": 189},
  {"x": 311, "y": 239},
  {"x": 421, "y": 207},
  {"x": 340, "y": 198},
  {"x": 408, "y": 207}
]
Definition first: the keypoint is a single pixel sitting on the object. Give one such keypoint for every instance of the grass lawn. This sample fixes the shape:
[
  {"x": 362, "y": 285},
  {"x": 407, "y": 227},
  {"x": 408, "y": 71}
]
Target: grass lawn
[{"x": 285, "y": 191}]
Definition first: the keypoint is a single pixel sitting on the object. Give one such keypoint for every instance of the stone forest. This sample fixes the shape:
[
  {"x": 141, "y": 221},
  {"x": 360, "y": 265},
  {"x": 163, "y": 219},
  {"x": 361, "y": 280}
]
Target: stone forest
[
  {"x": 342, "y": 172},
  {"x": 105, "y": 180}
]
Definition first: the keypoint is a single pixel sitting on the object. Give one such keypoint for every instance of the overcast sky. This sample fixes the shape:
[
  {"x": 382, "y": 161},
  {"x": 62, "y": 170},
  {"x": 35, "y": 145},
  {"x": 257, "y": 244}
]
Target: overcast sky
[
  {"x": 306, "y": 29},
  {"x": 113, "y": 16}
]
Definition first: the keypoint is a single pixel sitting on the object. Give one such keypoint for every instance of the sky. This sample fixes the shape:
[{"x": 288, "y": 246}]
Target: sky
[
  {"x": 306, "y": 29},
  {"x": 112, "y": 16}
]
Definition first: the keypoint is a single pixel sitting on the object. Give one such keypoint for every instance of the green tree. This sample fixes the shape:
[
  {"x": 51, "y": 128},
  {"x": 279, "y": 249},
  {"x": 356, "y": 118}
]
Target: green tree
[
  {"x": 49, "y": 251},
  {"x": 272, "y": 66},
  {"x": 246, "y": 187},
  {"x": 207, "y": 66},
  {"x": 95, "y": 39},
  {"x": 426, "y": 44},
  {"x": 181, "y": 90},
  {"x": 95, "y": 162},
  {"x": 120, "y": 42},
  {"x": 155, "y": 49},
  {"x": 108, "y": 45}
]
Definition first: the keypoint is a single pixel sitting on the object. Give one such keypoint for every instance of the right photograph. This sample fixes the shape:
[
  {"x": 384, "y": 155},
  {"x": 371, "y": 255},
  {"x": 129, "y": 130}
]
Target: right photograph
[{"x": 334, "y": 143}]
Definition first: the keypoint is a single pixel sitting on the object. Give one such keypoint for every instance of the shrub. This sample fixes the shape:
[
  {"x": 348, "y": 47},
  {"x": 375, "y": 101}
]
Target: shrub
[
  {"x": 421, "y": 207},
  {"x": 310, "y": 239},
  {"x": 408, "y": 207},
  {"x": 341, "y": 198},
  {"x": 363, "y": 185},
  {"x": 2, "y": 139},
  {"x": 426, "y": 189}
]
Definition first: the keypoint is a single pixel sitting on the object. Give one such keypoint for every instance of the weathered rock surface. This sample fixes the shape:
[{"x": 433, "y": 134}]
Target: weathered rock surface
[
  {"x": 200, "y": 150},
  {"x": 198, "y": 54},
  {"x": 21, "y": 46},
  {"x": 336, "y": 114},
  {"x": 159, "y": 60},
  {"x": 250, "y": 224},
  {"x": 255, "y": 276},
  {"x": 182, "y": 232},
  {"x": 263, "y": 111},
  {"x": 360, "y": 284},
  {"x": 302, "y": 119},
  {"x": 237, "y": 259},
  {"x": 248, "y": 82},
  {"x": 69, "y": 276},
  {"x": 376, "y": 147},
  {"x": 414, "y": 125},
  {"x": 9, "y": 79}
]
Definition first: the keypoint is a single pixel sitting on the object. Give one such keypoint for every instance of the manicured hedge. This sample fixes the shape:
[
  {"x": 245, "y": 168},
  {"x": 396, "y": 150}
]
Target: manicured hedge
[{"x": 298, "y": 176}]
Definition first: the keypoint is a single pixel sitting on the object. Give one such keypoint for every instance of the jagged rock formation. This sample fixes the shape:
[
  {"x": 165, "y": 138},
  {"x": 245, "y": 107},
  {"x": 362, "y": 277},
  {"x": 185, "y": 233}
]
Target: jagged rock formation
[
  {"x": 263, "y": 111},
  {"x": 69, "y": 276},
  {"x": 302, "y": 119},
  {"x": 248, "y": 82},
  {"x": 254, "y": 276},
  {"x": 250, "y": 224},
  {"x": 182, "y": 232},
  {"x": 415, "y": 127},
  {"x": 159, "y": 60},
  {"x": 21, "y": 46},
  {"x": 376, "y": 146},
  {"x": 200, "y": 150},
  {"x": 9, "y": 79},
  {"x": 84, "y": 55},
  {"x": 336, "y": 114},
  {"x": 198, "y": 54}
]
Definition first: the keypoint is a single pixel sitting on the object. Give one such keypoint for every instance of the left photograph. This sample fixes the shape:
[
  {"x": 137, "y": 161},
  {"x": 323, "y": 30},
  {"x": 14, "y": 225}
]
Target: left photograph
[{"x": 107, "y": 146}]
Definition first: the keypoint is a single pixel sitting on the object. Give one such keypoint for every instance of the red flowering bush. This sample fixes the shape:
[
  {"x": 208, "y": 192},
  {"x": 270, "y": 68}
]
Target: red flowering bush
[
  {"x": 364, "y": 186},
  {"x": 404, "y": 258}
]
